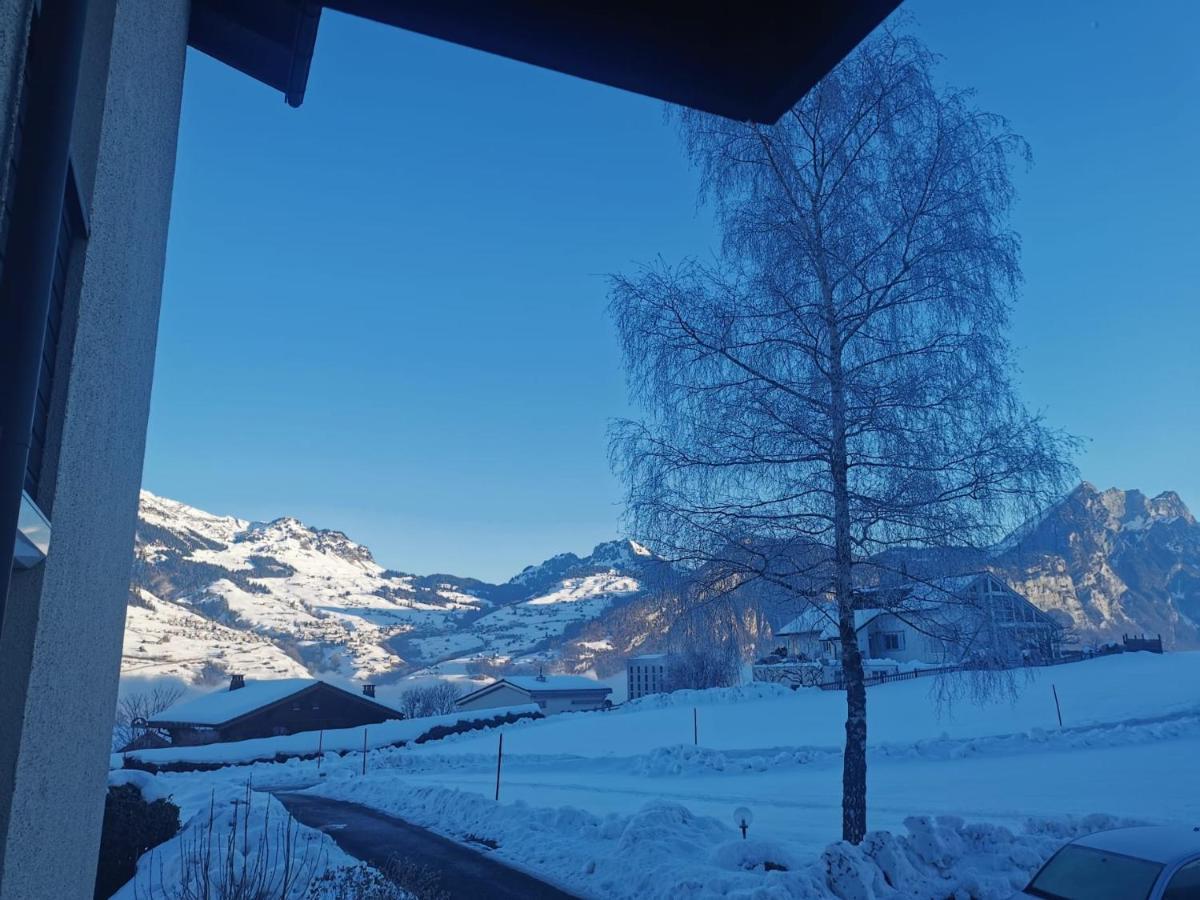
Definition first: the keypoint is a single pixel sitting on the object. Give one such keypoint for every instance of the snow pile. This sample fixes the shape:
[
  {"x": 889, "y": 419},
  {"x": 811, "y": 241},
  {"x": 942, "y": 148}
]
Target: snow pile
[
  {"x": 664, "y": 850},
  {"x": 236, "y": 838},
  {"x": 742, "y": 693},
  {"x": 683, "y": 759}
]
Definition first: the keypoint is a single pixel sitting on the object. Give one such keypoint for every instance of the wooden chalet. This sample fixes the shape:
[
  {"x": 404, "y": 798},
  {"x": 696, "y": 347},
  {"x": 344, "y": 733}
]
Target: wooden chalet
[{"x": 269, "y": 708}]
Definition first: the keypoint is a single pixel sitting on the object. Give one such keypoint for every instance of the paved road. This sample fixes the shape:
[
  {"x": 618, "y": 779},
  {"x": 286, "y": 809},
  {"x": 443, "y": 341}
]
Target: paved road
[{"x": 375, "y": 837}]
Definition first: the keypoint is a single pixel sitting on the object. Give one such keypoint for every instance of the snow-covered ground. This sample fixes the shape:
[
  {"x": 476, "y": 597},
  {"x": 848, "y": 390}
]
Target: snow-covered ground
[{"x": 623, "y": 804}]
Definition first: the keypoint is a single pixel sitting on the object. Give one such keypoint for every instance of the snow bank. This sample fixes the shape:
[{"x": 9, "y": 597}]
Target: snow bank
[
  {"x": 342, "y": 740},
  {"x": 237, "y": 835},
  {"x": 665, "y": 851},
  {"x": 1130, "y": 687}
]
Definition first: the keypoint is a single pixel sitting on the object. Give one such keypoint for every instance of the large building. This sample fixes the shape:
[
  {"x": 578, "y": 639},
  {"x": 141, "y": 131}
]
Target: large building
[
  {"x": 89, "y": 119},
  {"x": 646, "y": 675}
]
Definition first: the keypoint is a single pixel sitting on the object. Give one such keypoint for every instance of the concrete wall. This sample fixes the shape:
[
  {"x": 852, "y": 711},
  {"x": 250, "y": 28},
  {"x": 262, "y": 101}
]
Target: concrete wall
[{"x": 61, "y": 645}]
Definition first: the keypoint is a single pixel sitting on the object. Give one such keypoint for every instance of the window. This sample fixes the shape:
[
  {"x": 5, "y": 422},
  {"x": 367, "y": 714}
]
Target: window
[
  {"x": 1077, "y": 871},
  {"x": 893, "y": 640},
  {"x": 1185, "y": 884}
]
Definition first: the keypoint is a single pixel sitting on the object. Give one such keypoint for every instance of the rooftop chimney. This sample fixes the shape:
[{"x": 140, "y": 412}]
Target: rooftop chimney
[
  {"x": 237, "y": 682},
  {"x": 368, "y": 690}
]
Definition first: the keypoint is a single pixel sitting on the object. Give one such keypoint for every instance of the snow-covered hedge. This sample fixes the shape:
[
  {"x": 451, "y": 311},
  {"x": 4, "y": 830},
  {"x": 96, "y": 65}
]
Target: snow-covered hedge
[{"x": 393, "y": 733}]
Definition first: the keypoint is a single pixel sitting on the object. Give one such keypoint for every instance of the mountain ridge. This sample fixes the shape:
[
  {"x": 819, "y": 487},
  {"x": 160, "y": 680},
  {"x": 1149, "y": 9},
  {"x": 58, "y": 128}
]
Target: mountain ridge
[{"x": 281, "y": 598}]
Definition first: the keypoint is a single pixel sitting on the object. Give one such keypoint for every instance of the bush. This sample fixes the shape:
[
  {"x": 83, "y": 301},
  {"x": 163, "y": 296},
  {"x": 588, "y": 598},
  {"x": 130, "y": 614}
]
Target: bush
[
  {"x": 131, "y": 827},
  {"x": 420, "y": 881},
  {"x": 246, "y": 855},
  {"x": 355, "y": 883},
  {"x": 437, "y": 732}
]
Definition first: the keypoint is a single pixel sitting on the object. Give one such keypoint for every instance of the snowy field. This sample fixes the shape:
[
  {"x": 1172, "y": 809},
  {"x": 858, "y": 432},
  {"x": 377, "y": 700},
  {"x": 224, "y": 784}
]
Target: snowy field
[{"x": 588, "y": 798}]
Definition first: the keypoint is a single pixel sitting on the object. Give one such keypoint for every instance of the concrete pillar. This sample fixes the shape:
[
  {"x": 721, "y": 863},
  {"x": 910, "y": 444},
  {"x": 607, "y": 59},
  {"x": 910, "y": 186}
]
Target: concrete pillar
[{"x": 60, "y": 648}]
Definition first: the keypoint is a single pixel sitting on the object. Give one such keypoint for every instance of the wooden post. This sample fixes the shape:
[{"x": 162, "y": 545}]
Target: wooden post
[
  {"x": 499, "y": 759},
  {"x": 320, "y": 746},
  {"x": 695, "y": 727},
  {"x": 364, "y": 751},
  {"x": 1057, "y": 708}
]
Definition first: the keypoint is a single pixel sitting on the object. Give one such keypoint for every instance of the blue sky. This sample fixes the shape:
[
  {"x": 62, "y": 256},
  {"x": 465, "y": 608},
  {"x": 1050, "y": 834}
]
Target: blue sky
[{"x": 385, "y": 312}]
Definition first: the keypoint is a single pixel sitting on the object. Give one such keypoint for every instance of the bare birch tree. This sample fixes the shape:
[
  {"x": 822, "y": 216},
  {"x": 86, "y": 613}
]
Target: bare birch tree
[{"x": 837, "y": 383}]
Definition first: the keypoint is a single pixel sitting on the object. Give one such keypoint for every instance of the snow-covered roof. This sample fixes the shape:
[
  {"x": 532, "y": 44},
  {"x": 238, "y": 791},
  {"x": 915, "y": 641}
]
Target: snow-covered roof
[
  {"x": 225, "y": 705},
  {"x": 824, "y": 621},
  {"x": 933, "y": 590},
  {"x": 934, "y": 597},
  {"x": 535, "y": 684},
  {"x": 545, "y": 684}
]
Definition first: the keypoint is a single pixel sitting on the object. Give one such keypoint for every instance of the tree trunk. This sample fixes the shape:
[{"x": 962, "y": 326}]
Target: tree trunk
[{"x": 854, "y": 757}]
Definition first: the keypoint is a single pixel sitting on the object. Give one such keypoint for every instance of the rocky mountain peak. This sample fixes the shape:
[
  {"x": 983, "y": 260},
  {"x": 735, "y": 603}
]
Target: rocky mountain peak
[{"x": 1113, "y": 562}]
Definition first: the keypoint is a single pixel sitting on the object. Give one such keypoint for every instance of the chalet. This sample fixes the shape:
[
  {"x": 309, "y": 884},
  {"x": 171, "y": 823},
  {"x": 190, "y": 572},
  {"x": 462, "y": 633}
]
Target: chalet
[
  {"x": 268, "y": 708},
  {"x": 947, "y": 620},
  {"x": 552, "y": 693}
]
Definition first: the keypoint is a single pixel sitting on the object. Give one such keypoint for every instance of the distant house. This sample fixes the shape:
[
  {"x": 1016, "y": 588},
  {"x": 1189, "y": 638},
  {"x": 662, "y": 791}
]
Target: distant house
[
  {"x": 269, "y": 708},
  {"x": 646, "y": 675},
  {"x": 553, "y": 693},
  {"x": 936, "y": 622}
]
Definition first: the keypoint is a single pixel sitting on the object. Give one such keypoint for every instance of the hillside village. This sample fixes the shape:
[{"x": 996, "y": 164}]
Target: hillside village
[
  {"x": 306, "y": 666},
  {"x": 216, "y": 595}
]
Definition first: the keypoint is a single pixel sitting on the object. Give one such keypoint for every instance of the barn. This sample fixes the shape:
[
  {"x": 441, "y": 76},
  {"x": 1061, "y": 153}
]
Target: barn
[{"x": 268, "y": 708}]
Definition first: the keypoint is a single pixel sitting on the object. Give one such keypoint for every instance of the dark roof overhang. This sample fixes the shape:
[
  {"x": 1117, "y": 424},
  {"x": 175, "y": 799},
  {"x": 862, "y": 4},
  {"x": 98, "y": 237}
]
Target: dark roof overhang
[
  {"x": 745, "y": 61},
  {"x": 270, "y": 40}
]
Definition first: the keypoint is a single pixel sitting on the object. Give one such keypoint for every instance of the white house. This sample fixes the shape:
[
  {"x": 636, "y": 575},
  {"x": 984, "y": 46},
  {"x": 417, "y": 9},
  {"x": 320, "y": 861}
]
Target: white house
[
  {"x": 646, "y": 674},
  {"x": 553, "y": 693},
  {"x": 942, "y": 621}
]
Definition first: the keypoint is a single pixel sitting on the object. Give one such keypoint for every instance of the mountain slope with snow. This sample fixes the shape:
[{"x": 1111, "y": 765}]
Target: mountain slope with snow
[{"x": 213, "y": 594}]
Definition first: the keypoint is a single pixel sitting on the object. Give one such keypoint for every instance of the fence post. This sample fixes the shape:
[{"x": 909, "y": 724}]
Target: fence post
[
  {"x": 1057, "y": 708},
  {"x": 695, "y": 727},
  {"x": 364, "y": 751},
  {"x": 320, "y": 747},
  {"x": 499, "y": 759}
]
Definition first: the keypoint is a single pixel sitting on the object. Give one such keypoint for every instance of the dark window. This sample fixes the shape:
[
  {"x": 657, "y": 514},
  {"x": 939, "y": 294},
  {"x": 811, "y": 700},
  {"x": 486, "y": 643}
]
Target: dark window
[
  {"x": 71, "y": 228},
  {"x": 69, "y": 231},
  {"x": 1185, "y": 884},
  {"x": 893, "y": 640},
  {"x": 1089, "y": 874}
]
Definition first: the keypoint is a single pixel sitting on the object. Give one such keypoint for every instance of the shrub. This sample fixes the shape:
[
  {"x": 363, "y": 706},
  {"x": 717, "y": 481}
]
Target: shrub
[
  {"x": 355, "y": 883},
  {"x": 245, "y": 855},
  {"x": 437, "y": 732},
  {"x": 418, "y": 880},
  {"x": 131, "y": 827}
]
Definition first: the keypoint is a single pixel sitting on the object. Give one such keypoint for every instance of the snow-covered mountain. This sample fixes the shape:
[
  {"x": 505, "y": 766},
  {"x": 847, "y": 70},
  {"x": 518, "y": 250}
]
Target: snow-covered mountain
[{"x": 214, "y": 594}]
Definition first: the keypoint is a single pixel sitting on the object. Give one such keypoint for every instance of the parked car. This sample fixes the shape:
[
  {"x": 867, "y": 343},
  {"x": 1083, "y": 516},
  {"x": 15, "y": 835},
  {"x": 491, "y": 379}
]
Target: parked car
[{"x": 1143, "y": 863}]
